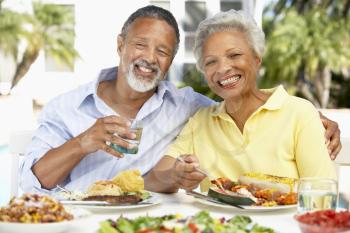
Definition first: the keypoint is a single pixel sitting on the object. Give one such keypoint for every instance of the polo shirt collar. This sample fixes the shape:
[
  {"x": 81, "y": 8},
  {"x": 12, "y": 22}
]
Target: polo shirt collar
[
  {"x": 277, "y": 98},
  {"x": 275, "y": 102}
]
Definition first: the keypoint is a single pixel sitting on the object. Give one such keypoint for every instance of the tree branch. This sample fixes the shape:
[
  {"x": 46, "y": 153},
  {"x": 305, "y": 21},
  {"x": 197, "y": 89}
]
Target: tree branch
[
  {"x": 1, "y": 4},
  {"x": 305, "y": 91}
]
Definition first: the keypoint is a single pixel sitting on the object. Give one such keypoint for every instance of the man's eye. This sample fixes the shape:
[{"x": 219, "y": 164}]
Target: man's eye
[
  {"x": 139, "y": 45},
  {"x": 163, "y": 53}
]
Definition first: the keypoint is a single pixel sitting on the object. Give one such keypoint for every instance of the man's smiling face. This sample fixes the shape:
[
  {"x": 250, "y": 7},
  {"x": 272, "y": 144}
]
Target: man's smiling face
[{"x": 146, "y": 53}]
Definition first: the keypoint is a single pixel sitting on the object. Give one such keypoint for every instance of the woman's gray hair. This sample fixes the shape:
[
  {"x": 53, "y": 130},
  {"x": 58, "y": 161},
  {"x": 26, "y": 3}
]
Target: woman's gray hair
[{"x": 227, "y": 21}]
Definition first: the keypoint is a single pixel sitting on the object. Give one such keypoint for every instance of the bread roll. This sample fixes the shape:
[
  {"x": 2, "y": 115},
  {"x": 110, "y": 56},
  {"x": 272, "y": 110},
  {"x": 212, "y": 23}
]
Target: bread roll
[
  {"x": 263, "y": 181},
  {"x": 104, "y": 187}
]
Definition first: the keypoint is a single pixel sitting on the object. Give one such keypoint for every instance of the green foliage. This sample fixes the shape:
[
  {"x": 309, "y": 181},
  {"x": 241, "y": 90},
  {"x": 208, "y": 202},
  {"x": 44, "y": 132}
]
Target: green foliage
[
  {"x": 309, "y": 41},
  {"x": 307, "y": 45},
  {"x": 196, "y": 80},
  {"x": 49, "y": 28},
  {"x": 11, "y": 31},
  {"x": 55, "y": 25},
  {"x": 340, "y": 92}
]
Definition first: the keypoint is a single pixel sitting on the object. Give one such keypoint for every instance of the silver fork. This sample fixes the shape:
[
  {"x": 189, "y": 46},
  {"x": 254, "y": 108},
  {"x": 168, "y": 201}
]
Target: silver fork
[
  {"x": 63, "y": 189},
  {"x": 180, "y": 159}
]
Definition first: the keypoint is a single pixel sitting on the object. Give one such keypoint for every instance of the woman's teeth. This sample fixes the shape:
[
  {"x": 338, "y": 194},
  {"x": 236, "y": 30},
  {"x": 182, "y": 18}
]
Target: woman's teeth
[{"x": 229, "y": 81}]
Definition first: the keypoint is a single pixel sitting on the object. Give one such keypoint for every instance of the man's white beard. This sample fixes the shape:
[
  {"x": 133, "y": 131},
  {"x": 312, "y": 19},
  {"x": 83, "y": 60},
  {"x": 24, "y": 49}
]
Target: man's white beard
[{"x": 139, "y": 83}]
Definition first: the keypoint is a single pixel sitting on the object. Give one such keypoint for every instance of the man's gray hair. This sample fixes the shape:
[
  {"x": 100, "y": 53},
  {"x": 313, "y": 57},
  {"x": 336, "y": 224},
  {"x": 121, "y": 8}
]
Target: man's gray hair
[
  {"x": 228, "y": 21},
  {"x": 156, "y": 12}
]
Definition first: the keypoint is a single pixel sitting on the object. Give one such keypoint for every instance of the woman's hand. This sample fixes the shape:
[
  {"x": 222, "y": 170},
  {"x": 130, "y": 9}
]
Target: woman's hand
[
  {"x": 332, "y": 136},
  {"x": 185, "y": 173}
]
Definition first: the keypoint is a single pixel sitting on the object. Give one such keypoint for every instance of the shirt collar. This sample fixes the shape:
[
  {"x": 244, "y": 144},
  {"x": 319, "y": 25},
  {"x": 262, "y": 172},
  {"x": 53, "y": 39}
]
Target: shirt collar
[
  {"x": 167, "y": 89},
  {"x": 164, "y": 89},
  {"x": 275, "y": 102},
  {"x": 277, "y": 98},
  {"x": 91, "y": 90}
]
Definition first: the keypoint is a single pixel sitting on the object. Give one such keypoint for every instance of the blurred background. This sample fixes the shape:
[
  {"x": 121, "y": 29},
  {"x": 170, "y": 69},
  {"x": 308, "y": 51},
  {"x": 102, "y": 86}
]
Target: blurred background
[{"x": 51, "y": 46}]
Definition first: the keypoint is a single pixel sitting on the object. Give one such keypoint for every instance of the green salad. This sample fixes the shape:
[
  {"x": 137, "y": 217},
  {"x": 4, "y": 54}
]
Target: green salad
[{"x": 202, "y": 222}]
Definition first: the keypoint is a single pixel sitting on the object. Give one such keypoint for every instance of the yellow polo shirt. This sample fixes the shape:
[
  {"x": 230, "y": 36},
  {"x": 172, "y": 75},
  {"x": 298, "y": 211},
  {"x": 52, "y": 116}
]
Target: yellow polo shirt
[{"x": 284, "y": 137}]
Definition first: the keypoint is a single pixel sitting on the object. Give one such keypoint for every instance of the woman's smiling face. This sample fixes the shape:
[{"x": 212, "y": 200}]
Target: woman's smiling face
[{"x": 229, "y": 64}]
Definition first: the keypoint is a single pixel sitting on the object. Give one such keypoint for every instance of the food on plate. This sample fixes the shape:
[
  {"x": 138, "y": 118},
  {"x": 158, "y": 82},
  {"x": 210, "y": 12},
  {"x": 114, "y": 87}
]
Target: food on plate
[
  {"x": 264, "y": 181},
  {"x": 324, "y": 221},
  {"x": 126, "y": 187},
  {"x": 104, "y": 187},
  {"x": 255, "y": 189},
  {"x": 106, "y": 190},
  {"x": 199, "y": 223},
  {"x": 230, "y": 197},
  {"x": 130, "y": 181},
  {"x": 34, "y": 208},
  {"x": 75, "y": 195}
]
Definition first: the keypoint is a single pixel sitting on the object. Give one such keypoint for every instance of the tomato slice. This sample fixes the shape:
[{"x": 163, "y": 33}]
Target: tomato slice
[{"x": 193, "y": 227}]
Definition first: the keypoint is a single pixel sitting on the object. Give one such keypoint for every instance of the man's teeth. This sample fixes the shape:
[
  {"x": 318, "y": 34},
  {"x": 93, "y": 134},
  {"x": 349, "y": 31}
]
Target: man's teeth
[
  {"x": 230, "y": 80},
  {"x": 144, "y": 69}
]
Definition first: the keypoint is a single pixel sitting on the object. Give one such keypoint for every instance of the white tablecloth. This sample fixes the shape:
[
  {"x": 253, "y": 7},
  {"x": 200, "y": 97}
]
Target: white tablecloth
[{"x": 280, "y": 220}]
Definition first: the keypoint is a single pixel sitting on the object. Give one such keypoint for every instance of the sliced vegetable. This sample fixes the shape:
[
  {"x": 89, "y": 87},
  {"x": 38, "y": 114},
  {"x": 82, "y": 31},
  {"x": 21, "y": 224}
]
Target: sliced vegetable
[{"x": 230, "y": 198}]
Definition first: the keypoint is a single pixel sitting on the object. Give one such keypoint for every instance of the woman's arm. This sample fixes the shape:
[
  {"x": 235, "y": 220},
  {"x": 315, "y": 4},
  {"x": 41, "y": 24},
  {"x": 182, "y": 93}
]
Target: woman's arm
[
  {"x": 170, "y": 174},
  {"x": 311, "y": 152}
]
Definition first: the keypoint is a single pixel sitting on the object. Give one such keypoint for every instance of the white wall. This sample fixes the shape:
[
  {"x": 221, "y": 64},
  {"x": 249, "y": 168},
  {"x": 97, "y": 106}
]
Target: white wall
[
  {"x": 98, "y": 24},
  {"x": 342, "y": 117}
]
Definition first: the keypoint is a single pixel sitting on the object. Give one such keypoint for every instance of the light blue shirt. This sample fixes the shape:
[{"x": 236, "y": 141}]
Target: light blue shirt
[{"x": 70, "y": 114}]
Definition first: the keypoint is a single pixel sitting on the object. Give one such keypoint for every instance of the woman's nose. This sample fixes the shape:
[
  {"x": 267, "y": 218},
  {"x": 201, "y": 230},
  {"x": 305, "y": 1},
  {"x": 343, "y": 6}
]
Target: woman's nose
[{"x": 224, "y": 66}]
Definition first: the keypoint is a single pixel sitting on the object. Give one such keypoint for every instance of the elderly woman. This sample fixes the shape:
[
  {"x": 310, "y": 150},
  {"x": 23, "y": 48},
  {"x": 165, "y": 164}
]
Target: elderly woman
[{"x": 252, "y": 130}]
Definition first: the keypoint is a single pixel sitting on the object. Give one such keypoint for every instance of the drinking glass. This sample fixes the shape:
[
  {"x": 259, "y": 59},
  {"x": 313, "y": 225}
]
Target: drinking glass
[
  {"x": 136, "y": 128},
  {"x": 317, "y": 194}
]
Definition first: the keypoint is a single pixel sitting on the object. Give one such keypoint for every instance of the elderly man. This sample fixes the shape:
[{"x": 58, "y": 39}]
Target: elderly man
[{"x": 72, "y": 146}]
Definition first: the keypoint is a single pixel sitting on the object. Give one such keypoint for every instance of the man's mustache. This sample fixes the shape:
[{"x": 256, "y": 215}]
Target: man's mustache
[{"x": 147, "y": 65}]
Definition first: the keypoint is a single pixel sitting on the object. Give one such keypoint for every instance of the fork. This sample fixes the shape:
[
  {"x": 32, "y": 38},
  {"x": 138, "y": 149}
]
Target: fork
[
  {"x": 63, "y": 189},
  {"x": 219, "y": 184}
]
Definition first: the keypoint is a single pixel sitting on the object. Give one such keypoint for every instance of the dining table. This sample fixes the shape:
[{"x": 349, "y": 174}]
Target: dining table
[{"x": 281, "y": 220}]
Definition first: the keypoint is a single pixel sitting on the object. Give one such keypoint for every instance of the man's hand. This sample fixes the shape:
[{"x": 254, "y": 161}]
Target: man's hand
[
  {"x": 185, "y": 174},
  {"x": 332, "y": 136},
  {"x": 107, "y": 129}
]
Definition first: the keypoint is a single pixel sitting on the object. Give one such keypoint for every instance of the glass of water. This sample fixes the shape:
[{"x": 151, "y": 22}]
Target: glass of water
[
  {"x": 136, "y": 127},
  {"x": 317, "y": 194}
]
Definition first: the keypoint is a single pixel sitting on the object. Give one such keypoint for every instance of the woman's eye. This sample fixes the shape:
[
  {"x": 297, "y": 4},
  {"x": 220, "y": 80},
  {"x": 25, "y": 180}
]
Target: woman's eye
[
  {"x": 208, "y": 63},
  {"x": 234, "y": 55}
]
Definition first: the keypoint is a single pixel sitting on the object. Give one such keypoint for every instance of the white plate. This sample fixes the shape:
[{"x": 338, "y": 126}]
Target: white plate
[
  {"x": 94, "y": 206},
  {"x": 56, "y": 227},
  {"x": 246, "y": 207}
]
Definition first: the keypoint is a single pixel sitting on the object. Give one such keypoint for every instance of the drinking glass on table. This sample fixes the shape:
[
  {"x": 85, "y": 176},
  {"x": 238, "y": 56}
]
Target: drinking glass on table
[
  {"x": 136, "y": 128},
  {"x": 317, "y": 194}
]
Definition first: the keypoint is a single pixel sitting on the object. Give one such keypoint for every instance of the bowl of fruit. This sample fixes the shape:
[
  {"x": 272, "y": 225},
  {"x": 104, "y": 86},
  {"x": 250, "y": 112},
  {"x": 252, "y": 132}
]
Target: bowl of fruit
[{"x": 324, "y": 221}]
